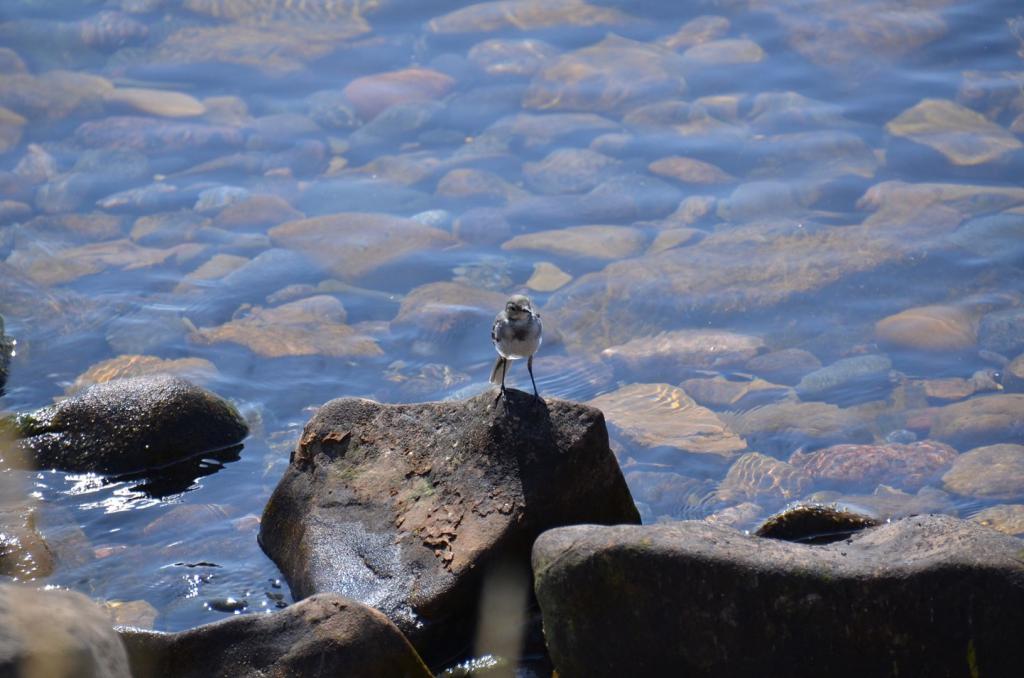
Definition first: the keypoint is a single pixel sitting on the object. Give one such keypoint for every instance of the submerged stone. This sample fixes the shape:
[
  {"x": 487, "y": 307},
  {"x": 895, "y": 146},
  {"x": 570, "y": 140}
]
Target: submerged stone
[
  {"x": 689, "y": 171},
  {"x": 908, "y": 466},
  {"x": 728, "y": 604},
  {"x": 371, "y": 94},
  {"x": 963, "y": 136},
  {"x": 1007, "y": 518},
  {"x": 779, "y": 428},
  {"x": 929, "y": 328},
  {"x": 124, "y": 366},
  {"x": 679, "y": 353},
  {"x": 526, "y": 15},
  {"x": 547, "y": 277},
  {"x": 785, "y": 366},
  {"x": 762, "y": 479},
  {"x": 980, "y": 420},
  {"x": 850, "y": 379},
  {"x": 989, "y": 472},
  {"x": 156, "y": 102},
  {"x": 521, "y": 58},
  {"x": 652, "y": 416},
  {"x": 403, "y": 507},
  {"x": 311, "y": 326},
  {"x": 608, "y": 76},
  {"x": 352, "y": 245},
  {"x": 598, "y": 242},
  {"x": 129, "y": 425}
]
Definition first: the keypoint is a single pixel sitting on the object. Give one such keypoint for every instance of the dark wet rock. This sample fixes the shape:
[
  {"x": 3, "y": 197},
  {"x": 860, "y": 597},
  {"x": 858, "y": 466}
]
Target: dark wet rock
[
  {"x": 656, "y": 417},
  {"x": 814, "y": 524},
  {"x": 611, "y": 75},
  {"x": 786, "y": 366},
  {"x": 989, "y": 472},
  {"x": 58, "y": 634},
  {"x": 325, "y": 634},
  {"x": 353, "y": 245},
  {"x": 863, "y": 377},
  {"x": 962, "y": 136},
  {"x": 917, "y": 584},
  {"x": 511, "y": 58},
  {"x": 779, "y": 428},
  {"x": 680, "y": 353},
  {"x": 527, "y": 15},
  {"x": 130, "y": 425},
  {"x": 762, "y": 479},
  {"x": 929, "y": 328},
  {"x": 569, "y": 170},
  {"x": 1003, "y": 331},
  {"x": 981, "y": 420},
  {"x": 908, "y": 466},
  {"x": 1007, "y": 518},
  {"x": 151, "y": 135},
  {"x": 403, "y": 506}
]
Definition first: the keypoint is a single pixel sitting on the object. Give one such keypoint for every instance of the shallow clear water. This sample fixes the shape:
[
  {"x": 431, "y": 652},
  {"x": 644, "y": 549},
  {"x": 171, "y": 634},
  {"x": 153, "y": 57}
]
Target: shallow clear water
[{"x": 272, "y": 120}]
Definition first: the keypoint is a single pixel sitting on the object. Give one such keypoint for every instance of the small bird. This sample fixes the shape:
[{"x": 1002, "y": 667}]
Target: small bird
[{"x": 516, "y": 334}]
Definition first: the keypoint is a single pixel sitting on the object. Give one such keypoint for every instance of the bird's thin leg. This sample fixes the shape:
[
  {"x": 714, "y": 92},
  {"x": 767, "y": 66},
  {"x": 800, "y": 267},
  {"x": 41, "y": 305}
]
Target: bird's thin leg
[
  {"x": 529, "y": 366},
  {"x": 504, "y": 371}
]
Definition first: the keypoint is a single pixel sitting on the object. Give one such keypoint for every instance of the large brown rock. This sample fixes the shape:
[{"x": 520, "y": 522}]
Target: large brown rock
[
  {"x": 928, "y": 595},
  {"x": 404, "y": 507},
  {"x": 909, "y": 466},
  {"x": 981, "y": 420},
  {"x": 57, "y": 634},
  {"x": 323, "y": 635}
]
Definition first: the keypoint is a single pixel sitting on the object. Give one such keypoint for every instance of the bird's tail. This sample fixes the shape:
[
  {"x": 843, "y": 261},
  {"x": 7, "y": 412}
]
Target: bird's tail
[{"x": 499, "y": 370}]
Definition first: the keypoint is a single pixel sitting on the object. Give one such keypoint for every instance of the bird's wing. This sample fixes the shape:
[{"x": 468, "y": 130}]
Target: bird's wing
[{"x": 494, "y": 329}]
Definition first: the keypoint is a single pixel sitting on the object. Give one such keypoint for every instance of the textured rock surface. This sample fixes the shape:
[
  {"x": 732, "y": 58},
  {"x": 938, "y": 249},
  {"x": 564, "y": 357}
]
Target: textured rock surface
[
  {"x": 130, "y": 425},
  {"x": 992, "y": 471},
  {"x": 909, "y": 466},
  {"x": 57, "y": 634},
  {"x": 403, "y": 507},
  {"x": 928, "y": 595},
  {"x": 323, "y": 635},
  {"x": 981, "y": 420}
]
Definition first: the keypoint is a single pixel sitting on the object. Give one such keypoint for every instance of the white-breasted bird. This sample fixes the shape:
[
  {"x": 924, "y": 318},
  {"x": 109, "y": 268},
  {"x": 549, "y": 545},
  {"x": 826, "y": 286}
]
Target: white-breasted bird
[{"x": 516, "y": 334}]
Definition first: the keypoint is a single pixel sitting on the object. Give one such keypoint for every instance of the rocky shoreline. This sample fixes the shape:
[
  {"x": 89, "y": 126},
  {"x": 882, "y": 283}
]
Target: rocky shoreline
[{"x": 392, "y": 524}]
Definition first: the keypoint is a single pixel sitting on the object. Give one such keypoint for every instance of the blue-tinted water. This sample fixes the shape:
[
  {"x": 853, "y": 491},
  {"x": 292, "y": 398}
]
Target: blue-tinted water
[{"x": 796, "y": 128}]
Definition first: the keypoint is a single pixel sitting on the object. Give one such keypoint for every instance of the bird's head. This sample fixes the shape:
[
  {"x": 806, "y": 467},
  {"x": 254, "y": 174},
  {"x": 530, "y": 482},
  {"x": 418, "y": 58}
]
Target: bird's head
[{"x": 518, "y": 306}]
